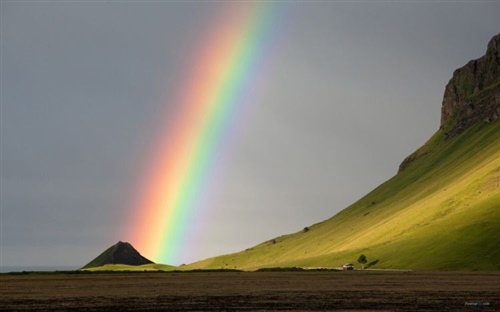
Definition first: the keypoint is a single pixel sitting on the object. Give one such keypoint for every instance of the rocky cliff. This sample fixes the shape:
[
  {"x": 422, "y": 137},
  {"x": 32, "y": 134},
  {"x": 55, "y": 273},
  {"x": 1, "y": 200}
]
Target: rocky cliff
[
  {"x": 471, "y": 96},
  {"x": 473, "y": 93}
]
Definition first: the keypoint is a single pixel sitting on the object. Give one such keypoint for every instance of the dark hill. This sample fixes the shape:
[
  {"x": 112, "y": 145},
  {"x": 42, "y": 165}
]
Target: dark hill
[{"x": 120, "y": 253}]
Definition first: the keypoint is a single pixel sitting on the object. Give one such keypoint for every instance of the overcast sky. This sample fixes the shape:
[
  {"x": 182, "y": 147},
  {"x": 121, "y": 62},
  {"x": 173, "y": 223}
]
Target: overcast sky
[{"x": 351, "y": 89}]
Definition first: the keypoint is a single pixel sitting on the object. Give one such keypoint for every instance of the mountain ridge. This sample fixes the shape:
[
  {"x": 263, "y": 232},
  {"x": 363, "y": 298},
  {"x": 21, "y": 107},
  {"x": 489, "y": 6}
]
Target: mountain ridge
[
  {"x": 440, "y": 211},
  {"x": 471, "y": 96}
]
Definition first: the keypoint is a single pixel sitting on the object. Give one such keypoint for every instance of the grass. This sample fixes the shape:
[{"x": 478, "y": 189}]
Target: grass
[
  {"x": 131, "y": 268},
  {"x": 441, "y": 212}
]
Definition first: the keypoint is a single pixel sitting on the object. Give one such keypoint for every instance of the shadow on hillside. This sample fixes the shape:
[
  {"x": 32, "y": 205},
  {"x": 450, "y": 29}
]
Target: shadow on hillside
[{"x": 374, "y": 262}]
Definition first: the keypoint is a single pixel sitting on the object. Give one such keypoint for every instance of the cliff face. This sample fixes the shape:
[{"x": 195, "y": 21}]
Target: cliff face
[
  {"x": 471, "y": 96},
  {"x": 473, "y": 93}
]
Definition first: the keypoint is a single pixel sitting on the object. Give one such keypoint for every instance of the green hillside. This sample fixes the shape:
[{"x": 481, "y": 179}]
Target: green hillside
[{"x": 441, "y": 211}]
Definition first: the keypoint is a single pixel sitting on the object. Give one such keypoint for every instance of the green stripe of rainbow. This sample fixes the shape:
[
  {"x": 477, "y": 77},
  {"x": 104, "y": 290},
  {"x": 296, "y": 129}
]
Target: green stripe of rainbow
[{"x": 215, "y": 91}]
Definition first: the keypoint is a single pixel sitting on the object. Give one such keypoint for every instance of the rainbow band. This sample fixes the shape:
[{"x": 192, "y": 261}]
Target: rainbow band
[{"x": 212, "y": 97}]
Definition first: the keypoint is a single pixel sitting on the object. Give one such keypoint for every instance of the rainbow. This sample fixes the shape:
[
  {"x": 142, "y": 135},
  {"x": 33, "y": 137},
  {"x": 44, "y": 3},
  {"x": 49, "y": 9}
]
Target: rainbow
[{"x": 186, "y": 157}]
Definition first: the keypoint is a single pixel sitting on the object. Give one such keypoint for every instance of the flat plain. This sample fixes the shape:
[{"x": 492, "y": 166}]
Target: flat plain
[{"x": 252, "y": 291}]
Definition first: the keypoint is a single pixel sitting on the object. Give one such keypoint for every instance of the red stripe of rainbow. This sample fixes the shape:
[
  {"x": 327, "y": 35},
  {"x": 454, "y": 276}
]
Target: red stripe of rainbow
[{"x": 214, "y": 92}]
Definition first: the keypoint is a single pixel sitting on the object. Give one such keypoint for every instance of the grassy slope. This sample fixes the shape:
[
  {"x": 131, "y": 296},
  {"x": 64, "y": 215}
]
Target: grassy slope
[
  {"x": 100, "y": 259},
  {"x": 124, "y": 267},
  {"x": 441, "y": 212}
]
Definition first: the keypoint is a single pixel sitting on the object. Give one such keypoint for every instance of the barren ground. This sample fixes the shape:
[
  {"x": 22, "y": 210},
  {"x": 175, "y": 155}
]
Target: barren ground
[{"x": 253, "y": 291}]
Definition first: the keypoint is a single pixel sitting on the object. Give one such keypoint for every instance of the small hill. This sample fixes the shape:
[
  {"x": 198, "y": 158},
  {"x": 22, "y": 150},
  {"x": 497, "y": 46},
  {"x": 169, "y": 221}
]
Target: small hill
[
  {"x": 120, "y": 253},
  {"x": 440, "y": 212},
  {"x": 152, "y": 267}
]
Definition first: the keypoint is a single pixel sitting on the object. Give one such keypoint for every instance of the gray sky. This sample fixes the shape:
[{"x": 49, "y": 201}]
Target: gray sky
[{"x": 351, "y": 90}]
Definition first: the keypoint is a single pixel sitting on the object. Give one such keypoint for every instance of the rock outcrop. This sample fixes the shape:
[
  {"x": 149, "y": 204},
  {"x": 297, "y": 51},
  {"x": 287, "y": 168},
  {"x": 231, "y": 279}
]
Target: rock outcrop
[
  {"x": 120, "y": 253},
  {"x": 473, "y": 93},
  {"x": 471, "y": 96}
]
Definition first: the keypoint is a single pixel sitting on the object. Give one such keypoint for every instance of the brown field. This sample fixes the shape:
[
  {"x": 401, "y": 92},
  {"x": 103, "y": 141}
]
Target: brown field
[{"x": 253, "y": 291}]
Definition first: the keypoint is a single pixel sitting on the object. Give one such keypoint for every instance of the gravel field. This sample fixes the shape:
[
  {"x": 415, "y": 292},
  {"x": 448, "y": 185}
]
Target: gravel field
[{"x": 252, "y": 291}]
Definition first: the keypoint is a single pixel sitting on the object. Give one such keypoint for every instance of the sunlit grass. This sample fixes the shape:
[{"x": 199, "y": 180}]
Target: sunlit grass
[
  {"x": 124, "y": 267},
  {"x": 441, "y": 212}
]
